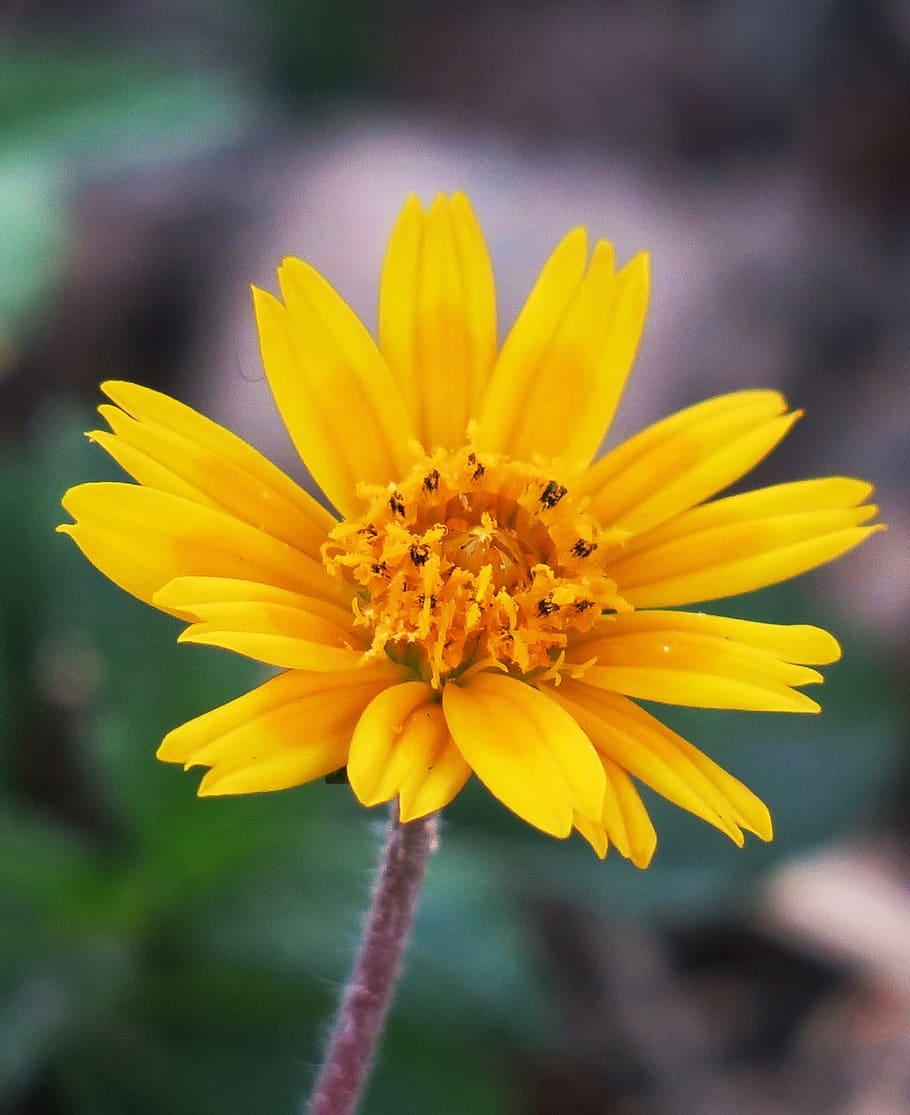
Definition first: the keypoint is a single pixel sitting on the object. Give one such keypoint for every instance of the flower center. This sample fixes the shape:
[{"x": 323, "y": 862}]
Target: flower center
[{"x": 474, "y": 559}]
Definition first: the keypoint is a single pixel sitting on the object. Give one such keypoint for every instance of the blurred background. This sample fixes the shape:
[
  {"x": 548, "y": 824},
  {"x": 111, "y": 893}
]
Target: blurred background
[{"x": 165, "y": 955}]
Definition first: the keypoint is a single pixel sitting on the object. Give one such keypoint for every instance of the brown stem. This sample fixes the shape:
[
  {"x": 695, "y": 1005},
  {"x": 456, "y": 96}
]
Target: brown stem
[{"x": 352, "y": 1045}]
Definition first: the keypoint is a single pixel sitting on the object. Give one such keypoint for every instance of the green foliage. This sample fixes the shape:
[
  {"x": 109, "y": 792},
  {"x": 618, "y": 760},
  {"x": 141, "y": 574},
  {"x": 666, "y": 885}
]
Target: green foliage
[
  {"x": 316, "y": 47},
  {"x": 66, "y": 113}
]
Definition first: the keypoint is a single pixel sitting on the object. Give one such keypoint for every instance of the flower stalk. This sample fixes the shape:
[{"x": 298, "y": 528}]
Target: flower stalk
[{"x": 366, "y": 998}]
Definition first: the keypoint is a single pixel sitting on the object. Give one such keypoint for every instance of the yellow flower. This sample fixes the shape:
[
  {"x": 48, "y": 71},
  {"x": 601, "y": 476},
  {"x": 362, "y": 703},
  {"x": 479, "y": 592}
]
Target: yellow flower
[{"x": 488, "y": 600}]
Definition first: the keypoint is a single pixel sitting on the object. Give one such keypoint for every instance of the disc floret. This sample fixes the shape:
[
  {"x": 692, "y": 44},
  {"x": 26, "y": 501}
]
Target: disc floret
[{"x": 474, "y": 558}]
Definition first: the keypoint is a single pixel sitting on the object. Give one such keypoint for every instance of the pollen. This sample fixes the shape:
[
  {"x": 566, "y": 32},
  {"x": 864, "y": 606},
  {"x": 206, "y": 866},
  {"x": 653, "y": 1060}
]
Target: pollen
[{"x": 474, "y": 558}]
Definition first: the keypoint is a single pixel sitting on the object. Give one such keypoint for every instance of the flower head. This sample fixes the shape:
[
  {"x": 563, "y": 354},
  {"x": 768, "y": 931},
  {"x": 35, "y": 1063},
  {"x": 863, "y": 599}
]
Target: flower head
[{"x": 486, "y": 599}]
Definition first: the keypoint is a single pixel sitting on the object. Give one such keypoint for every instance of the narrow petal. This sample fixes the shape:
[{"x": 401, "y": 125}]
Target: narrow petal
[
  {"x": 761, "y": 403},
  {"x": 342, "y": 408},
  {"x": 592, "y": 832},
  {"x": 625, "y": 822},
  {"x": 650, "y": 751},
  {"x": 743, "y": 542},
  {"x": 625, "y": 817},
  {"x": 832, "y": 493},
  {"x": 437, "y": 776},
  {"x": 398, "y": 305},
  {"x": 688, "y": 464},
  {"x": 293, "y": 729},
  {"x": 276, "y": 635},
  {"x": 266, "y": 623},
  {"x": 164, "y": 459},
  {"x": 142, "y": 538},
  {"x": 255, "y": 477},
  {"x": 726, "y": 561},
  {"x": 699, "y": 671},
  {"x": 437, "y": 316},
  {"x": 145, "y": 469},
  {"x": 705, "y": 661},
  {"x": 394, "y": 734},
  {"x": 748, "y": 810},
  {"x": 811, "y": 646},
  {"x": 188, "y": 595},
  {"x": 562, "y": 370},
  {"x": 514, "y": 374},
  {"x": 256, "y": 617},
  {"x": 210, "y": 737},
  {"x": 529, "y": 754}
]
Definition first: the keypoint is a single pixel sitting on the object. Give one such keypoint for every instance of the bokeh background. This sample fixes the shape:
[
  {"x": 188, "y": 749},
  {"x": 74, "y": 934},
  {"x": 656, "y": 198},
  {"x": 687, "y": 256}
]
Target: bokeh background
[{"x": 165, "y": 955}]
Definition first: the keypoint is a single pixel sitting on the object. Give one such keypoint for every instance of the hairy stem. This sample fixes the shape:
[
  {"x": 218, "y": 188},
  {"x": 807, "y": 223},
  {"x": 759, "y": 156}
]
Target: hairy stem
[{"x": 366, "y": 998}]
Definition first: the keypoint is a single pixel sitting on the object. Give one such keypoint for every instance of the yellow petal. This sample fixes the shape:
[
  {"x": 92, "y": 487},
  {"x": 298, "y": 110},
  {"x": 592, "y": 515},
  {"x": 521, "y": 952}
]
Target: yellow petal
[
  {"x": 832, "y": 493},
  {"x": 803, "y": 643},
  {"x": 254, "y": 482},
  {"x": 268, "y": 618},
  {"x": 342, "y": 408},
  {"x": 561, "y": 372},
  {"x": 268, "y": 624},
  {"x": 159, "y": 458},
  {"x": 284, "y": 749},
  {"x": 273, "y": 650},
  {"x": 625, "y": 821},
  {"x": 660, "y": 767},
  {"x": 396, "y": 731},
  {"x": 436, "y": 777},
  {"x": 437, "y": 316},
  {"x": 142, "y": 538},
  {"x": 279, "y": 771},
  {"x": 688, "y": 466},
  {"x": 515, "y": 371},
  {"x": 727, "y": 560},
  {"x": 699, "y": 671},
  {"x": 650, "y": 751},
  {"x": 593, "y": 833},
  {"x": 748, "y": 810},
  {"x": 230, "y": 731},
  {"x": 704, "y": 661},
  {"x": 398, "y": 305},
  {"x": 146, "y": 470},
  {"x": 625, "y": 818},
  {"x": 187, "y": 595},
  {"x": 526, "y": 751},
  {"x": 293, "y": 729},
  {"x": 759, "y": 403},
  {"x": 275, "y": 634}
]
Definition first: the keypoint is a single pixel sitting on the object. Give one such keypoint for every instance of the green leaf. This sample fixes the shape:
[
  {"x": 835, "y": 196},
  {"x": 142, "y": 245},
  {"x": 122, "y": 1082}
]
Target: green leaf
[{"x": 66, "y": 113}]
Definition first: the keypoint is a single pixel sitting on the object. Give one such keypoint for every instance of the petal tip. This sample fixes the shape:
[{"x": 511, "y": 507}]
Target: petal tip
[
  {"x": 642, "y": 859},
  {"x": 264, "y": 301},
  {"x": 113, "y": 387},
  {"x": 409, "y": 811},
  {"x": 764, "y": 830},
  {"x": 200, "y": 634},
  {"x": 576, "y": 239},
  {"x": 170, "y": 751},
  {"x": 826, "y": 649}
]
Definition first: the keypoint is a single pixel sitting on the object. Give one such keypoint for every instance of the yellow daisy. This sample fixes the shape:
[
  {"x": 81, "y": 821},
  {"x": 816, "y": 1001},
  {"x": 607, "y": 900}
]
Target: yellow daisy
[{"x": 486, "y": 598}]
